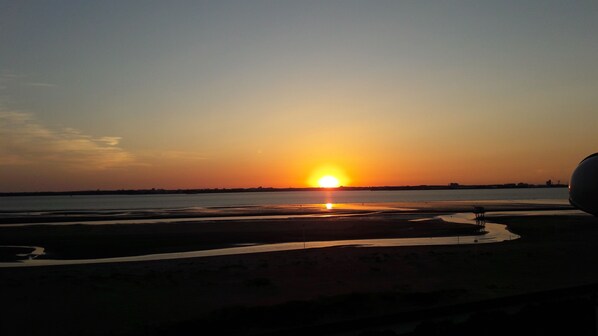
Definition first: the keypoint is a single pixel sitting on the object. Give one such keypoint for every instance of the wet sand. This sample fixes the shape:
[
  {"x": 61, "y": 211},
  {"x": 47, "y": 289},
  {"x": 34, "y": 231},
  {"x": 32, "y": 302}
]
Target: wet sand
[
  {"x": 102, "y": 241},
  {"x": 263, "y": 292},
  {"x": 91, "y": 217},
  {"x": 122, "y": 233}
]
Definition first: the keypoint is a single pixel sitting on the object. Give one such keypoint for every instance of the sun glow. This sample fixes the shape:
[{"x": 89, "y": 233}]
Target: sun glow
[
  {"x": 327, "y": 176},
  {"x": 328, "y": 181}
]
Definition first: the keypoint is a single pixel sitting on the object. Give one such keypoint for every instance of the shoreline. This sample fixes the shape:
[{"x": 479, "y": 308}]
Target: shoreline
[
  {"x": 236, "y": 231},
  {"x": 241, "y": 212},
  {"x": 124, "y": 240},
  {"x": 271, "y": 189},
  {"x": 337, "y": 283}
]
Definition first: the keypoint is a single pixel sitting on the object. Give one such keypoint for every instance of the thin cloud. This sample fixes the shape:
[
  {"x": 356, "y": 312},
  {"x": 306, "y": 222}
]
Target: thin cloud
[
  {"x": 110, "y": 141},
  {"x": 173, "y": 156},
  {"x": 8, "y": 78},
  {"x": 25, "y": 141},
  {"x": 10, "y": 75},
  {"x": 39, "y": 84}
]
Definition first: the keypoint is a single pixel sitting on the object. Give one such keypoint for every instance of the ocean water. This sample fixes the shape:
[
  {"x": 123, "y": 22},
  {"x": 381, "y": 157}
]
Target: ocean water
[{"x": 174, "y": 201}]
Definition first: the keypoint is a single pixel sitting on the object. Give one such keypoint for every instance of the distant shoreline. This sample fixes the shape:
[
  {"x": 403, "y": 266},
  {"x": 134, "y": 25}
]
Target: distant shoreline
[{"x": 155, "y": 191}]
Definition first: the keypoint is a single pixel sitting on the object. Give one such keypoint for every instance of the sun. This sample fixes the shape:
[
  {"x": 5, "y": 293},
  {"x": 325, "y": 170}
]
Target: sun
[
  {"x": 328, "y": 181},
  {"x": 328, "y": 176}
]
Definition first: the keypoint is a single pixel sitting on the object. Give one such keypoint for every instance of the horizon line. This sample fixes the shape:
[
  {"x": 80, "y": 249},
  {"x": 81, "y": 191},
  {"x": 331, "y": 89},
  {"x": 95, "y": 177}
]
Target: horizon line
[{"x": 450, "y": 186}]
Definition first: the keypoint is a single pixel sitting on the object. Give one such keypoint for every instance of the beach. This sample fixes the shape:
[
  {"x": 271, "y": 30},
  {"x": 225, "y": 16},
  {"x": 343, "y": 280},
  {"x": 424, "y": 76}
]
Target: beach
[
  {"x": 110, "y": 234},
  {"x": 265, "y": 292},
  {"x": 103, "y": 241}
]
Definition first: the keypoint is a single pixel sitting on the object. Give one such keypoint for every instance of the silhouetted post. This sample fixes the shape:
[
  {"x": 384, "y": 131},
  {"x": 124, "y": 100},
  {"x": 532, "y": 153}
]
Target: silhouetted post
[{"x": 479, "y": 212}]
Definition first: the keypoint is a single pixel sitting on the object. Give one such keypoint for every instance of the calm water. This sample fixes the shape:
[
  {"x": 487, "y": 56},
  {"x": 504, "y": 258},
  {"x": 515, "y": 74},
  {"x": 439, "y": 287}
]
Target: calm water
[{"x": 107, "y": 202}]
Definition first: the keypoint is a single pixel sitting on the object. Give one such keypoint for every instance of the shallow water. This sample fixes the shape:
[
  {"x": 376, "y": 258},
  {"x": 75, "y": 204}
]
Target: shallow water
[
  {"x": 494, "y": 233},
  {"x": 35, "y": 252},
  {"x": 173, "y": 201},
  {"x": 181, "y": 220}
]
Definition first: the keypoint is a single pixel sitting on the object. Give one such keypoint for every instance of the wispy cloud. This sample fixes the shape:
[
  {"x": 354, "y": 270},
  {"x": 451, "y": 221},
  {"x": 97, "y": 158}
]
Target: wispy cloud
[
  {"x": 9, "y": 78},
  {"x": 9, "y": 75},
  {"x": 110, "y": 141},
  {"x": 27, "y": 141},
  {"x": 39, "y": 84}
]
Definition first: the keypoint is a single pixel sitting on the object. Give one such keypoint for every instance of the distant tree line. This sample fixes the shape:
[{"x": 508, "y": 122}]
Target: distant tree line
[{"x": 155, "y": 191}]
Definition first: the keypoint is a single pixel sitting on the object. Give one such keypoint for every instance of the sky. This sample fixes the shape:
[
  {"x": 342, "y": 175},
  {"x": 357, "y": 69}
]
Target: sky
[{"x": 213, "y": 94}]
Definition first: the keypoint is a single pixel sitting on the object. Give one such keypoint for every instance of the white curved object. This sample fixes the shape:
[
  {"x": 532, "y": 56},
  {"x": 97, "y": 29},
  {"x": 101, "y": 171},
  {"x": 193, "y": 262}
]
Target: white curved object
[{"x": 583, "y": 186}]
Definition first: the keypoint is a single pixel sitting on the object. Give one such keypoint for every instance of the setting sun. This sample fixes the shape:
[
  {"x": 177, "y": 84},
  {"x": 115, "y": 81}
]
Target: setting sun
[
  {"x": 328, "y": 182},
  {"x": 327, "y": 176}
]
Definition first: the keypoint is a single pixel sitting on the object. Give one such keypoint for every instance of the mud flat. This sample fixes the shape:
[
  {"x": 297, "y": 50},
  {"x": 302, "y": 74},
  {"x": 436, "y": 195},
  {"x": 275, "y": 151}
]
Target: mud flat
[{"x": 270, "y": 291}]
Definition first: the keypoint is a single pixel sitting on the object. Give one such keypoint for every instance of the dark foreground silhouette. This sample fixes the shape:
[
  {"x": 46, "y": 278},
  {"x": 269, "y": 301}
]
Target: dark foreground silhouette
[{"x": 324, "y": 290}]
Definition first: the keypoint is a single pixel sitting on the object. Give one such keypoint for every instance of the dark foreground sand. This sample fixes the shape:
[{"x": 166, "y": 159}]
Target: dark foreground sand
[{"x": 263, "y": 292}]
